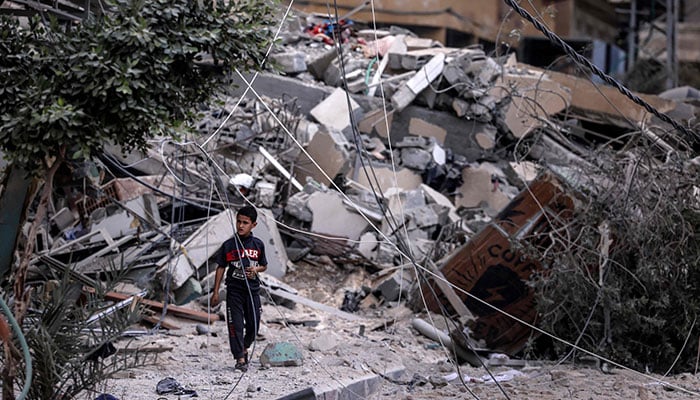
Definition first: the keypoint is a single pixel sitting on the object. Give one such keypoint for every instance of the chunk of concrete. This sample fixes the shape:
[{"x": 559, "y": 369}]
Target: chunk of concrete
[
  {"x": 420, "y": 127},
  {"x": 440, "y": 202},
  {"x": 266, "y": 230},
  {"x": 423, "y": 217},
  {"x": 385, "y": 178},
  {"x": 190, "y": 290},
  {"x": 331, "y": 151},
  {"x": 376, "y": 122},
  {"x": 281, "y": 354},
  {"x": 459, "y": 134},
  {"x": 198, "y": 248},
  {"x": 415, "y": 158},
  {"x": 265, "y": 193},
  {"x": 324, "y": 342},
  {"x": 482, "y": 188},
  {"x": 296, "y": 207},
  {"x": 291, "y": 62},
  {"x": 318, "y": 63},
  {"x": 394, "y": 285},
  {"x": 405, "y": 95},
  {"x": 331, "y": 217},
  {"x": 333, "y": 112},
  {"x": 368, "y": 244},
  {"x": 533, "y": 98}
]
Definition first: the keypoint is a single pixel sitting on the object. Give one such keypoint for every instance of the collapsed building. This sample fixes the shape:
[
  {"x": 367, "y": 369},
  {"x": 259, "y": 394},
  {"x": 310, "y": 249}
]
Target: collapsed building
[{"x": 388, "y": 151}]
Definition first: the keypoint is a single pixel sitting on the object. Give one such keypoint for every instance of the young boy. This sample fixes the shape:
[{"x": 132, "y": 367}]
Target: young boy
[{"x": 244, "y": 256}]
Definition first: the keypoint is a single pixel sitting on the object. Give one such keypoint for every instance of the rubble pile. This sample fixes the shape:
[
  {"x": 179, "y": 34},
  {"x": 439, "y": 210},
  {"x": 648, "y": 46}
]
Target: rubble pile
[{"x": 383, "y": 177}]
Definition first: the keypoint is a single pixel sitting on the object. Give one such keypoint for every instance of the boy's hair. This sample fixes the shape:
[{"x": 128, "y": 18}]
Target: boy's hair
[{"x": 250, "y": 212}]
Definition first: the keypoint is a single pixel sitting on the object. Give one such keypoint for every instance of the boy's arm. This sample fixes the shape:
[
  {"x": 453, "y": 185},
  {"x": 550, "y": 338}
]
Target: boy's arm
[{"x": 217, "y": 284}]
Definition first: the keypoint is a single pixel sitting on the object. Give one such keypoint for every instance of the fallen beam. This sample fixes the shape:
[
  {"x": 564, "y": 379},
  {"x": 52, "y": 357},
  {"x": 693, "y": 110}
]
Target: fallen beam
[{"x": 174, "y": 310}]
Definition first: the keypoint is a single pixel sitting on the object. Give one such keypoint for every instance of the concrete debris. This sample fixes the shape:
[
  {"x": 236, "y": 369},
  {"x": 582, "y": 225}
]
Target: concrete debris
[
  {"x": 281, "y": 354},
  {"x": 419, "y": 138}
]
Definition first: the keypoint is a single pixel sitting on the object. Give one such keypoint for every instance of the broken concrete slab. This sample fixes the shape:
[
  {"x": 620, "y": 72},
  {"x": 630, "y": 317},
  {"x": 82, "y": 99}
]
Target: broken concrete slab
[
  {"x": 482, "y": 188},
  {"x": 297, "y": 208},
  {"x": 415, "y": 158},
  {"x": 432, "y": 196},
  {"x": 332, "y": 217},
  {"x": 459, "y": 136},
  {"x": 333, "y": 112},
  {"x": 405, "y": 95},
  {"x": 119, "y": 222},
  {"x": 266, "y": 230},
  {"x": 421, "y": 127},
  {"x": 532, "y": 98},
  {"x": 395, "y": 285},
  {"x": 377, "y": 122},
  {"x": 364, "y": 387},
  {"x": 332, "y": 153},
  {"x": 275, "y": 86},
  {"x": 197, "y": 248},
  {"x": 318, "y": 63},
  {"x": 386, "y": 179}
]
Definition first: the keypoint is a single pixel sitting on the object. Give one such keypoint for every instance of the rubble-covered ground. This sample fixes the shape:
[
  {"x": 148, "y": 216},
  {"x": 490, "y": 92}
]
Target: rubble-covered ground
[
  {"x": 203, "y": 363},
  {"x": 473, "y": 153}
]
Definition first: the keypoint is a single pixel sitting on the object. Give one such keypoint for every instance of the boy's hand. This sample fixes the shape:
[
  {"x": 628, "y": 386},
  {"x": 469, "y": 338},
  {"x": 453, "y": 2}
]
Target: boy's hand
[
  {"x": 215, "y": 299},
  {"x": 251, "y": 272}
]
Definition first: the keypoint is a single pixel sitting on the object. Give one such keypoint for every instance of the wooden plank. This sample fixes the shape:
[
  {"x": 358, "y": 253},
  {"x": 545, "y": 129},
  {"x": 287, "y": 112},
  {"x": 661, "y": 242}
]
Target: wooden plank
[
  {"x": 152, "y": 319},
  {"x": 172, "y": 309}
]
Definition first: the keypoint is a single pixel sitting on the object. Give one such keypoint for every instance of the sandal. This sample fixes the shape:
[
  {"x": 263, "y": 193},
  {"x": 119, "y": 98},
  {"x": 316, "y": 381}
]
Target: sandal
[{"x": 241, "y": 366}]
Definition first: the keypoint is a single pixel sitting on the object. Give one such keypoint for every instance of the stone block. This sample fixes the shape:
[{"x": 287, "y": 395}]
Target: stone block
[
  {"x": 368, "y": 244},
  {"x": 281, "y": 354},
  {"x": 267, "y": 231},
  {"x": 296, "y": 207},
  {"x": 332, "y": 217},
  {"x": 394, "y": 285},
  {"x": 405, "y": 178},
  {"x": 415, "y": 158},
  {"x": 333, "y": 112},
  {"x": 291, "y": 62},
  {"x": 365, "y": 387},
  {"x": 324, "y": 342},
  {"x": 317, "y": 64},
  {"x": 331, "y": 151},
  {"x": 424, "y": 217}
]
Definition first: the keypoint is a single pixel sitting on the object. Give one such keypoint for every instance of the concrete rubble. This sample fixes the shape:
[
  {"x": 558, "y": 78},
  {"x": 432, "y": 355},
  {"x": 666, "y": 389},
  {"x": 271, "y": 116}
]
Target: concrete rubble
[{"x": 382, "y": 179}]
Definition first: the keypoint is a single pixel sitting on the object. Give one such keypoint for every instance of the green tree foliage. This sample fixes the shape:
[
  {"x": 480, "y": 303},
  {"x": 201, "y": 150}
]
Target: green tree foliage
[{"x": 122, "y": 77}]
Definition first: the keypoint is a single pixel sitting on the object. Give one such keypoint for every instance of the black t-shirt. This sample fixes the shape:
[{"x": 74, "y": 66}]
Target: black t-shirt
[{"x": 239, "y": 253}]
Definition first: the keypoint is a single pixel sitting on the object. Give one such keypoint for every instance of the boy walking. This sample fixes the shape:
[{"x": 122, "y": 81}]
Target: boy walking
[{"x": 244, "y": 256}]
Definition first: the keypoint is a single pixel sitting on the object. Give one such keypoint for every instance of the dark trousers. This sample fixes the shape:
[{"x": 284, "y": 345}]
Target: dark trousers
[{"x": 243, "y": 316}]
